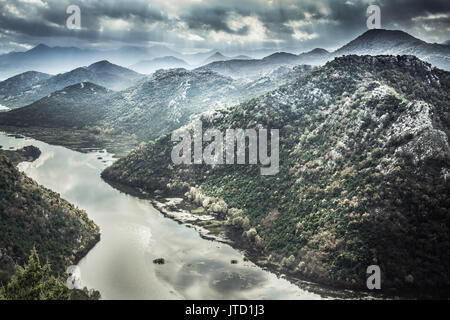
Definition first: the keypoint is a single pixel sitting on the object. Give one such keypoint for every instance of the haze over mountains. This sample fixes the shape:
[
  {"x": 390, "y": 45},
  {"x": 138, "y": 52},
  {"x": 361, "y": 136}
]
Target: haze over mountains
[
  {"x": 62, "y": 59},
  {"x": 156, "y": 105},
  {"x": 150, "y": 106},
  {"x": 35, "y": 86},
  {"x": 55, "y": 60}
]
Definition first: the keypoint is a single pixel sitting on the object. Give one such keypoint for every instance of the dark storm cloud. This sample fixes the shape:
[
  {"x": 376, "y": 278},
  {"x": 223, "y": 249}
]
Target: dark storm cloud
[{"x": 215, "y": 23}]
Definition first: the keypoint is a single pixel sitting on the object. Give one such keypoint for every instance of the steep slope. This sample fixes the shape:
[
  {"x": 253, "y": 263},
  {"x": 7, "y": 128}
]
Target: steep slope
[
  {"x": 167, "y": 100},
  {"x": 363, "y": 179},
  {"x": 101, "y": 73},
  {"x": 275, "y": 78},
  {"x": 32, "y": 215}
]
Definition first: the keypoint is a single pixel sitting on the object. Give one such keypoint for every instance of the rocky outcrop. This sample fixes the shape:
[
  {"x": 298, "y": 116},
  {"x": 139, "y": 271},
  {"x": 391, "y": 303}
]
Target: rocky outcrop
[{"x": 28, "y": 153}]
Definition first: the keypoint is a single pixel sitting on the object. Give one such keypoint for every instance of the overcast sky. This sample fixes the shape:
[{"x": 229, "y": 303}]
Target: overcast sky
[{"x": 207, "y": 24}]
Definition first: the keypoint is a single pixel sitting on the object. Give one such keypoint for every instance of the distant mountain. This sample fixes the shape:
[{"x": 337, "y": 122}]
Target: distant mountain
[
  {"x": 394, "y": 42},
  {"x": 253, "y": 69},
  {"x": 372, "y": 42},
  {"x": 113, "y": 76},
  {"x": 363, "y": 174},
  {"x": 55, "y": 60},
  {"x": 281, "y": 58},
  {"x": 85, "y": 113},
  {"x": 447, "y": 43},
  {"x": 317, "y": 56},
  {"x": 216, "y": 57},
  {"x": 45, "y": 59},
  {"x": 102, "y": 73},
  {"x": 196, "y": 59},
  {"x": 150, "y": 66},
  {"x": 241, "y": 57},
  {"x": 380, "y": 40}
]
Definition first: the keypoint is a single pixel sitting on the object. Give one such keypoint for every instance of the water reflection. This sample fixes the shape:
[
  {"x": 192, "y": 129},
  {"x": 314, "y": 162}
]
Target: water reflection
[{"x": 134, "y": 233}]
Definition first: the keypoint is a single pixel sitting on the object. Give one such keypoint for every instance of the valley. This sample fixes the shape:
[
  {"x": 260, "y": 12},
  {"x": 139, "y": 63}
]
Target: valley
[{"x": 134, "y": 233}]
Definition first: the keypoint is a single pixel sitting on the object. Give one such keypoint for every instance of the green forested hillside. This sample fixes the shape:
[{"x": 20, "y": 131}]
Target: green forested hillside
[
  {"x": 31, "y": 215},
  {"x": 364, "y": 174}
]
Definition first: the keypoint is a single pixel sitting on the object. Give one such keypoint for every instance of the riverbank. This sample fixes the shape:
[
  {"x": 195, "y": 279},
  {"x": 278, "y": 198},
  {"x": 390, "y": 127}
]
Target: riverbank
[
  {"x": 211, "y": 227},
  {"x": 218, "y": 227},
  {"x": 134, "y": 233},
  {"x": 61, "y": 232}
]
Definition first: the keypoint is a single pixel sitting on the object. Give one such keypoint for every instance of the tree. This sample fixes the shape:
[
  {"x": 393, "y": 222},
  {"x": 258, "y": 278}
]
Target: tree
[{"x": 35, "y": 282}]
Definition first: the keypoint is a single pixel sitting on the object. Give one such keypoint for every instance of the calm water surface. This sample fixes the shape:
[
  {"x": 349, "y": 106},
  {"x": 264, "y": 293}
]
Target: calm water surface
[{"x": 134, "y": 233}]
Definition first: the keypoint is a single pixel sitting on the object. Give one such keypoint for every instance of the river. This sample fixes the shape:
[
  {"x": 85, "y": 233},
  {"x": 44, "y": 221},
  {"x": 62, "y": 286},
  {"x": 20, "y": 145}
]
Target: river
[{"x": 134, "y": 233}]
